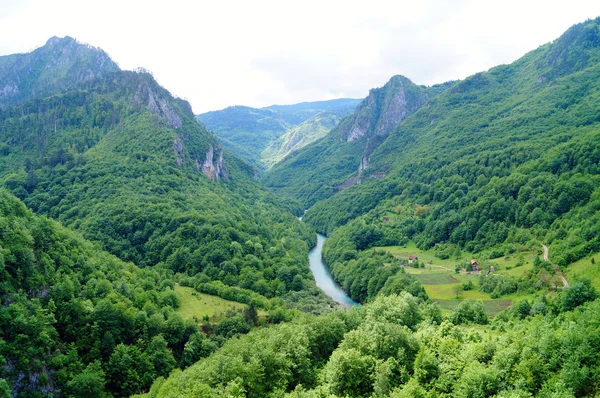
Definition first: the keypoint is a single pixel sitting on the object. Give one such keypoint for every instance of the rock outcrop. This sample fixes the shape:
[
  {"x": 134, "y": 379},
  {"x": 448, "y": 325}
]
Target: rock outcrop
[
  {"x": 384, "y": 109},
  {"x": 157, "y": 104},
  {"x": 215, "y": 170}
]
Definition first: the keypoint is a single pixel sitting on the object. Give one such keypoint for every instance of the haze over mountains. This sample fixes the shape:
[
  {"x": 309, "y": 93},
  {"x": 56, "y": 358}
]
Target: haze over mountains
[
  {"x": 267, "y": 135},
  {"x": 118, "y": 210}
]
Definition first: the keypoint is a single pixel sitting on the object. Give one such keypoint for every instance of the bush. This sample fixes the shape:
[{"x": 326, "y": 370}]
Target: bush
[
  {"x": 578, "y": 293},
  {"x": 469, "y": 311}
]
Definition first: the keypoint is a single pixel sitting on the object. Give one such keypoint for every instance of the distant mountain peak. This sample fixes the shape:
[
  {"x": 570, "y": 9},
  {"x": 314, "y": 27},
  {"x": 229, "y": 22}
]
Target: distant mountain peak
[
  {"x": 59, "y": 65},
  {"x": 55, "y": 40},
  {"x": 384, "y": 109}
]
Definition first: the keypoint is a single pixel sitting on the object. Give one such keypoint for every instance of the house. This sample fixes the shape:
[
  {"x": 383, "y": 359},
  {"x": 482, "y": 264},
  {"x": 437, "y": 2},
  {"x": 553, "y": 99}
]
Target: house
[
  {"x": 412, "y": 258},
  {"x": 475, "y": 266},
  {"x": 386, "y": 219}
]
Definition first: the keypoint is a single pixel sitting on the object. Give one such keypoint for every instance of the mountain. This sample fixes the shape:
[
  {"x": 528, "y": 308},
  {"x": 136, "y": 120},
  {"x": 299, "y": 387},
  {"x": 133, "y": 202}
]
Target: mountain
[
  {"x": 300, "y": 136},
  {"x": 59, "y": 65},
  {"x": 338, "y": 160},
  {"x": 119, "y": 160},
  {"x": 257, "y": 135},
  {"x": 126, "y": 164},
  {"x": 501, "y": 168},
  {"x": 496, "y": 163}
]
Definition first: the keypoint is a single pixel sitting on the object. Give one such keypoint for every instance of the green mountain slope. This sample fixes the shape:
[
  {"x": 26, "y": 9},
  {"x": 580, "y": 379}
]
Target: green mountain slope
[
  {"x": 337, "y": 161},
  {"x": 257, "y": 135},
  {"x": 123, "y": 162},
  {"x": 501, "y": 160},
  {"x": 77, "y": 321},
  {"x": 401, "y": 348},
  {"x": 300, "y": 136},
  {"x": 59, "y": 65}
]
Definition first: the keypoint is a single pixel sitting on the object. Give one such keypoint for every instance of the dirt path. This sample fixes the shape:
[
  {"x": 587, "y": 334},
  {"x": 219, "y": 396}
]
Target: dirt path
[
  {"x": 564, "y": 280},
  {"x": 439, "y": 266},
  {"x": 560, "y": 274}
]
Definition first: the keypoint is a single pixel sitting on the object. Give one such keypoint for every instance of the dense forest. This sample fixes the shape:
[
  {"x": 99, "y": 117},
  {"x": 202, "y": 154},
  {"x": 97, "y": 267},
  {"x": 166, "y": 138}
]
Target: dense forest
[
  {"x": 503, "y": 159},
  {"x": 401, "y": 346},
  {"x": 121, "y": 216}
]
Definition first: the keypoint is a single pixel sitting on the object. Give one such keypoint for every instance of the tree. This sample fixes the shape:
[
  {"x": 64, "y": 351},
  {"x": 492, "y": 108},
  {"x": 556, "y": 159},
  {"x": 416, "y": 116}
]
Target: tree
[
  {"x": 129, "y": 370},
  {"x": 348, "y": 373},
  {"x": 578, "y": 293},
  {"x": 89, "y": 383},
  {"x": 160, "y": 356},
  {"x": 469, "y": 311},
  {"x": 4, "y": 389},
  {"x": 457, "y": 289}
]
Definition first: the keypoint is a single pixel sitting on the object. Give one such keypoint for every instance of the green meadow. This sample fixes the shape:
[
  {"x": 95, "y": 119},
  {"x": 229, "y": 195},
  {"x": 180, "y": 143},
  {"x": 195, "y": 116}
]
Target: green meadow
[
  {"x": 444, "y": 285},
  {"x": 198, "y": 305}
]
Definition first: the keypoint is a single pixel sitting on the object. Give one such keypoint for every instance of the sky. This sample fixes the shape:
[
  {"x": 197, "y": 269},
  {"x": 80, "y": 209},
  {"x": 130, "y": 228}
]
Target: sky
[{"x": 220, "y": 53}]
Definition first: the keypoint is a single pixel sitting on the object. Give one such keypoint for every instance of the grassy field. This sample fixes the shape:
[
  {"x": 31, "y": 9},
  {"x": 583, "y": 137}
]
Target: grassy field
[
  {"x": 492, "y": 307},
  {"x": 436, "y": 278},
  {"x": 585, "y": 268},
  {"x": 198, "y": 305},
  {"x": 442, "y": 283}
]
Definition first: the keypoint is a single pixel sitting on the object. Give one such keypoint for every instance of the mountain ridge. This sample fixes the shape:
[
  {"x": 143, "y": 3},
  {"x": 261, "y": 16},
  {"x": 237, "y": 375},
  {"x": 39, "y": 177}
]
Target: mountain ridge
[
  {"x": 337, "y": 161},
  {"x": 59, "y": 65},
  {"x": 257, "y": 134}
]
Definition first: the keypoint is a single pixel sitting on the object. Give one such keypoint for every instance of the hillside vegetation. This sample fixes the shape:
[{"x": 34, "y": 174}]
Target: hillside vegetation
[
  {"x": 139, "y": 255},
  {"x": 398, "y": 346},
  {"x": 500, "y": 161},
  {"x": 264, "y": 136},
  {"x": 337, "y": 161}
]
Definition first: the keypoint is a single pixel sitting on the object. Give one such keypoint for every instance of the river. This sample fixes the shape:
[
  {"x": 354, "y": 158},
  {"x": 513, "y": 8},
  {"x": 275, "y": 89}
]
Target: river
[{"x": 323, "y": 277}]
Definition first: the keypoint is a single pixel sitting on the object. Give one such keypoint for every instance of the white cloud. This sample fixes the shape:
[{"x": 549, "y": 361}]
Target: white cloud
[{"x": 262, "y": 52}]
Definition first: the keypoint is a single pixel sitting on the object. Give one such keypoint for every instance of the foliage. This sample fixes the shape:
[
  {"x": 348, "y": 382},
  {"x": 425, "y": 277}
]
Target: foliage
[
  {"x": 71, "y": 313},
  {"x": 265, "y": 136},
  {"x": 128, "y": 176},
  {"x": 379, "y": 351}
]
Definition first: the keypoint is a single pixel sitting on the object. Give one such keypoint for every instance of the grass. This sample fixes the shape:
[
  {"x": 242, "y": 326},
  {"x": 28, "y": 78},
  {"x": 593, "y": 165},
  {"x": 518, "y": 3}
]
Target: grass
[
  {"x": 503, "y": 265},
  {"x": 585, "y": 269},
  {"x": 448, "y": 292},
  {"x": 436, "y": 278},
  {"x": 441, "y": 281},
  {"x": 491, "y": 307},
  {"x": 198, "y": 305}
]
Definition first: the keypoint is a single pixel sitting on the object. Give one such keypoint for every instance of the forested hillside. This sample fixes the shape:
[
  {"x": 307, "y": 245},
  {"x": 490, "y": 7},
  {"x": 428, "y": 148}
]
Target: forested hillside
[
  {"x": 264, "y": 136},
  {"x": 78, "y": 321},
  {"x": 398, "y": 346},
  {"x": 504, "y": 158},
  {"x": 117, "y": 158},
  {"x": 453, "y": 214},
  {"x": 338, "y": 160}
]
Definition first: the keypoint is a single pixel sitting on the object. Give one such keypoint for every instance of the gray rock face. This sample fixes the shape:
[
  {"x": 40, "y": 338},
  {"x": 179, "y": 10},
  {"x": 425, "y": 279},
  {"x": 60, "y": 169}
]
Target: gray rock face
[
  {"x": 213, "y": 170},
  {"x": 157, "y": 104},
  {"x": 378, "y": 115},
  {"x": 178, "y": 151},
  {"x": 384, "y": 109}
]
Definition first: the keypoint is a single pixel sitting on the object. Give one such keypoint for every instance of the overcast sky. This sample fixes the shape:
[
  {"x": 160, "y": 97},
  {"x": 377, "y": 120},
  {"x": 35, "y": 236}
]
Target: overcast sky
[{"x": 219, "y": 53}]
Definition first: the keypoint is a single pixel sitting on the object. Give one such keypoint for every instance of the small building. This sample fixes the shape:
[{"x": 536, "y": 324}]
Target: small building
[
  {"x": 412, "y": 258},
  {"x": 475, "y": 266},
  {"x": 386, "y": 219}
]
